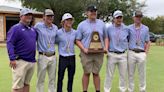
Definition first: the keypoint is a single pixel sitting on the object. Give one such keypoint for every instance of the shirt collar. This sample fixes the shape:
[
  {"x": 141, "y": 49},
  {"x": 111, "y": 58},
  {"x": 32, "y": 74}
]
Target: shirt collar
[
  {"x": 89, "y": 21},
  {"x": 139, "y": 28},
  {"x": 47, "y": 26},
  {"x": 63, "y": 29},
  {"x": 25, "y": 26},
  {"x": 118, "y": 26}
]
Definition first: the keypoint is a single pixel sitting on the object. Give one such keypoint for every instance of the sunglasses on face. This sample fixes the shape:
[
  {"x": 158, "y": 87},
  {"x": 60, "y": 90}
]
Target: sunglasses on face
[
  {"x": 70, "y": 19},
  {"x": 139, "y": 16},
  {"x": 29, "y": 14},
  {"x": 119, "y": 17},
  {"x": 93, "y": 10},
  {"x": 50, "y": 16}
]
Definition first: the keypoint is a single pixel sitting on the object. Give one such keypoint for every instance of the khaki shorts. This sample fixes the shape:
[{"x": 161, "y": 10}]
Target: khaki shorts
[
  {"x": 22, "y": 74},
  {"x": 91, "y": 62}
]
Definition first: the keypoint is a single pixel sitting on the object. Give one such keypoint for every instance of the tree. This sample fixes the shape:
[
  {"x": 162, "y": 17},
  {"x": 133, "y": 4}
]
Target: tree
[
  {"x": 77, "y": 7},
  {"x": 156, "y": 25},
  {"x": 160, "y": 24},
  {"x": 58, "y": 6},
  {"x": 150, "y": 22}
]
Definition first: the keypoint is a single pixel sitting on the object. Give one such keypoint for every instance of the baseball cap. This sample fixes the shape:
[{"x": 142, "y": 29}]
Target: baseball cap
[
  {"x": 137, "y": 13},
  {"x": 117, "y": 13},
  {"x": 67, "y": 16},
  {"x": 91, "y": 7},
  {"x": 48, "y": 12},
  {"x": 25, "y": 11}
]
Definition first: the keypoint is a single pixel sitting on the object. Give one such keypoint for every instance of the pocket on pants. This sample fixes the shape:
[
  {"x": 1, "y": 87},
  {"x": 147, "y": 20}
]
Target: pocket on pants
[{"x": 142, "y": 56}]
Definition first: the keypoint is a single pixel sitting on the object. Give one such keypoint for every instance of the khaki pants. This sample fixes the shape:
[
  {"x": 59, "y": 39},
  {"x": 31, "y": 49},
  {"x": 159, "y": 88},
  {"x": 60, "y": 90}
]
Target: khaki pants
[
  {"x": 46, "y": 64},
  {"x": 121, "y": 61},
  {"x": 138, "y": 59},
  {"x": 92, "y": 63},
  {"x": 22, "y": 74}
]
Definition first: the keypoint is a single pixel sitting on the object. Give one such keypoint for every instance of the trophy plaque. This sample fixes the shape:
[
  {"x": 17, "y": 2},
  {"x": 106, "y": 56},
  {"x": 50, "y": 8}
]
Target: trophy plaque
[{"x": 95, "y": 45}]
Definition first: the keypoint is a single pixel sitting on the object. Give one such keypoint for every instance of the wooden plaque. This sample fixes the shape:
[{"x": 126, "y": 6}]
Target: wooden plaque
[{"x": 95, "y": 45}]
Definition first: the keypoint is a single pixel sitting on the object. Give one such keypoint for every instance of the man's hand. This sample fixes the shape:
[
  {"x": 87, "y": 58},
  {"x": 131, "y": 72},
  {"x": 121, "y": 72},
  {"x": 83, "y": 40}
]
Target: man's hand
[
  {"x": 85, "y": 51},
  {"x": 105, "y": 50},
  {"x": 147, "y": 46},
  {"x": 13, "y": 64},
  {"x": 146, "y": 51}
]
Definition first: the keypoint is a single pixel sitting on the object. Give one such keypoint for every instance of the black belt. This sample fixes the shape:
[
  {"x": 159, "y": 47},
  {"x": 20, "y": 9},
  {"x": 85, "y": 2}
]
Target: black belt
[
  {"x": 67, "y": 56},
  {"x": 137, "y": 50},
  {"x": 17, "y": 58},
  {"x": 117, "y": 52},
  {"x": 47, "y": 54}
]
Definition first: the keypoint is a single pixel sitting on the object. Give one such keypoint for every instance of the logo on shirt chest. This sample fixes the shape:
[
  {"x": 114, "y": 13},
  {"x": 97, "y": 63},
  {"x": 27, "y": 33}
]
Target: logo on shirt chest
[{"x": 23, "y": 29}]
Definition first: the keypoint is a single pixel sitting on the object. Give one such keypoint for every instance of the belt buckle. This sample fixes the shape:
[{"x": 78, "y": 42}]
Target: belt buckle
[
  {"x": 48, "y": 54},
  {"x": 120, "y": 52}
]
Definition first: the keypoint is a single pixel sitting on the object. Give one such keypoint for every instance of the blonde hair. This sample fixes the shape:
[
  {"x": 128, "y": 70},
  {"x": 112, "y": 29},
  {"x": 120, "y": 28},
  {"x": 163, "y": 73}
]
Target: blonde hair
[{"x": 62, "y": 22}]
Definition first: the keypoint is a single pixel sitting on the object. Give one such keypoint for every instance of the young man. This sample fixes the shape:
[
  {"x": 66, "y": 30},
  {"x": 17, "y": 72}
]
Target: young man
[
  {"x": 21, "y": 54},
  {"x": 66, "y": 41},
  {"x": 138, "y": 49},
  {"x": 118, "y": 44},
  {"x": 46, "y": 47},
  {"x": 91, "y": 62}
]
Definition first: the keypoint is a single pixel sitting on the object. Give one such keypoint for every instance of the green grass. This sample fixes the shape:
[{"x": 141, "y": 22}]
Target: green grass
[{"x": 155, "y": 74}]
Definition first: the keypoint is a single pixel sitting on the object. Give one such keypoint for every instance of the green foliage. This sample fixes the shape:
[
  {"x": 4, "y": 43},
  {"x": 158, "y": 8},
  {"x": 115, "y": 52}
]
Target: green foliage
[
  {"x": 155, "y": 25},
  {"x": 77, "y": 7}
]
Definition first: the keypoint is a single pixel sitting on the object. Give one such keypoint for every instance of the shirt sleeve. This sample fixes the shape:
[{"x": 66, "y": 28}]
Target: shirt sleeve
[
  {"x": 36, "y": 27},
  {"x": 128, "y": 32},
  {"x": 79, "y": 33},
  {"x": 11, "y": 41},
  {"x": 57, "y": 37},
  {"x": 105, "y": 32},
  {"x": 37, "y": 31}
]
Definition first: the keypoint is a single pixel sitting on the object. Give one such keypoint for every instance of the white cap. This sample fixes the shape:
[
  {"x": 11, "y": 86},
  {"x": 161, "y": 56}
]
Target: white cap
[
  {"x": 67, "y": 16},
  {"x": 25, "y": 11},
  {"x": 117, "y": 13},
  {"x": 48, "y": 12}
]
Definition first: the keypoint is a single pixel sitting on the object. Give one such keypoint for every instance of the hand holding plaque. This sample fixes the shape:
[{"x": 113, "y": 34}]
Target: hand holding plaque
[{"x": 95, "y": 45}]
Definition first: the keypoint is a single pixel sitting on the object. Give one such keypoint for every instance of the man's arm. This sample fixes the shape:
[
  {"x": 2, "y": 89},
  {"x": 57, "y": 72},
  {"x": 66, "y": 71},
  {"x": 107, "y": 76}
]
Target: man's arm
[
  {"x": 11, "y": 40},
  {"x": 147, "y": 46},
  {"x": 80, "y": 45},
  {"x": 106, "y": 44},
  {"x": 79, "y": 37},
  {"x": 147, "y": 43},
  {"x": 106, "y": 40}
]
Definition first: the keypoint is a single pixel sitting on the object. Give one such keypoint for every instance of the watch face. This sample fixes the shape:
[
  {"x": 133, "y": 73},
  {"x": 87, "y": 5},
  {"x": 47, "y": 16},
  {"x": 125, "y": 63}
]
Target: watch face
[{"x": 95, "y": 37}]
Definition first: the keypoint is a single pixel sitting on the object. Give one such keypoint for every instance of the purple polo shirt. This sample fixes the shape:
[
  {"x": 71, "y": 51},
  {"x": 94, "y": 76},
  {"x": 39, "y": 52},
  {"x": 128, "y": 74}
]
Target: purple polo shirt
[{"x": 21, "y": 42}]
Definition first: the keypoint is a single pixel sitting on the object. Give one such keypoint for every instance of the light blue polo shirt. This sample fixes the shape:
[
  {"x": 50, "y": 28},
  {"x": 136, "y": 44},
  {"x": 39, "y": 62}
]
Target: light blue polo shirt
[
  {"x": 85, "y": 29},
  {"x": 46, "y": 37},
  {"x": 142, "y": 34},
  {"x": 118, "y": 38},
  {"x": 66, "y": 42}
]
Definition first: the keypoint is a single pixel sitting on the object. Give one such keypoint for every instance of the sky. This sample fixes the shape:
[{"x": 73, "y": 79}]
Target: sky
[{"x": 154, "y": 7}]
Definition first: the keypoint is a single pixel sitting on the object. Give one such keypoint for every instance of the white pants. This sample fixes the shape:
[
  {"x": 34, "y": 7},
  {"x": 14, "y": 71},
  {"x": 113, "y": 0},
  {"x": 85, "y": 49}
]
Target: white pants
[
  {"x": 46, "y": 64},
  {"x": 121, "y": 61},
  {"x": 138, "y": 59}
]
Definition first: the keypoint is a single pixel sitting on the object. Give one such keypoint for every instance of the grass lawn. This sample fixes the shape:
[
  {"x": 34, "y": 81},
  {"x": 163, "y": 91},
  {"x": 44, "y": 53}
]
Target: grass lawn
[{"x": 155, "y": 74}]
